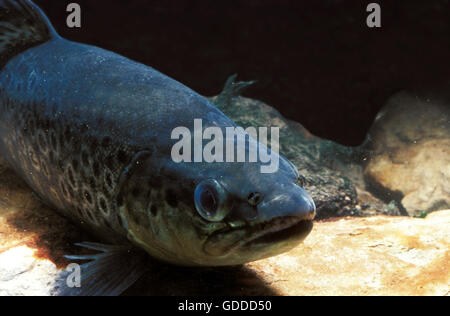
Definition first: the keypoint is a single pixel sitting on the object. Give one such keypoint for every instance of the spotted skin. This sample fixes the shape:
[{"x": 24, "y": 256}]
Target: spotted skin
[{"x": 65, "y": 164}]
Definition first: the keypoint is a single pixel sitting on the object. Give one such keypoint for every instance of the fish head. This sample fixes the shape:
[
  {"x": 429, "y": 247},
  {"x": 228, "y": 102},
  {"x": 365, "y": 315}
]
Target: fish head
[
  {"x": 216, "y": 214},
  {"x": 265, "y": 214}
]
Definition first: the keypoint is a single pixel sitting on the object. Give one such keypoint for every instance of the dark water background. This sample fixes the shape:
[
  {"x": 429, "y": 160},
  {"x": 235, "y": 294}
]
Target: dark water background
[{"x": 315, "y": 61}]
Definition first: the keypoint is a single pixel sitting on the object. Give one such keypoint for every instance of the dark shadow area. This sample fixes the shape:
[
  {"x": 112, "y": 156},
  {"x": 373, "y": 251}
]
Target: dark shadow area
[
  {"x": 166, "y": 280},
  {"x": 315, "y": 61}
]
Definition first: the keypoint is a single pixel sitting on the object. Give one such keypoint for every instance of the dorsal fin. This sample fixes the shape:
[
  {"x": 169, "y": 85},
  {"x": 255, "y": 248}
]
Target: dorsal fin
[{"x": 22, "y": 26}]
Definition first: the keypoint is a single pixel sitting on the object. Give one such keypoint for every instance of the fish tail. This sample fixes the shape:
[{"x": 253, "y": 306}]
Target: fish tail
[{"x": 22, "y": 25}]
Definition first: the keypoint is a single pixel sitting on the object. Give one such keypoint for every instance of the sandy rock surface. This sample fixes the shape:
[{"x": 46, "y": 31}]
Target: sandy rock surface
[
  {"x": 368, "y": 256},
  {"x": 21, "y": 273}
]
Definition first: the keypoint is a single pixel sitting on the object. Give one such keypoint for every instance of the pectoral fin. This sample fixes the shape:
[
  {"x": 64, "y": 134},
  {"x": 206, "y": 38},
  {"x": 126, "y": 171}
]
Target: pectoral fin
[{"x": 110, "y": 272}]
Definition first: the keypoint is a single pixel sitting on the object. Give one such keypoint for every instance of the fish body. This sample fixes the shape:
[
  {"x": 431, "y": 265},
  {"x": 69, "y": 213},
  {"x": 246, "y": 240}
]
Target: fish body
[{"x": 90, "y": 132}]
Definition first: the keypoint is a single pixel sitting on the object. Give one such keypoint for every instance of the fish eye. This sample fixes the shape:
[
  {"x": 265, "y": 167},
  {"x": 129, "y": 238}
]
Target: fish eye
[{"x": 209, "y": 200}]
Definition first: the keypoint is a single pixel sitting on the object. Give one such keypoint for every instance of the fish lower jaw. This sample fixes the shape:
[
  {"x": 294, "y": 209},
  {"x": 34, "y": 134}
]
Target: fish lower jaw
[
  {"x": 257, "y": 240},
  {"x": 279, "y": 230}
]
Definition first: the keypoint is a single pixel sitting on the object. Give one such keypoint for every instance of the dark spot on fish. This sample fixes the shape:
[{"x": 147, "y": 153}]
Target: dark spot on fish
[
  {"x": 171, "y": 198},
  {"x": 53, "y": 141},
  {"x": 88, "y": 197},
  {"x": 45, "y": 124},
  {"x": 103, "y": 205},
  {"x": 85, "y": 159},
  {"x": 42, "y": 142},
  {"x": 120, "y": 200},
  {"x": 75, "y": 165},
  {"x": 154, "y": 210},
  {"x": 93, "y": 146},
  {"x": 96, "y": 168},
  {"x": 108, "y": 179},
  {"x": 60, "y": 164},
  {"x": 136, "y": 192},
  {"x": 67, "y": 135},
  {"x": 83, "y": 128},
  {"x": 92, "y": 183},
  {"x": 110, "y": 162},
  {"x": 122, "y": 157},
  {"x": 61, "y": 140},
  {"x": 76, "y": 144},
  {"x": 106, "y": 142},
  {"x": 51, "y": 157},
  {"x": 119, "y": 220},
  {"x": 32, "y": 128},
  {"x": 155, "y": 182}
]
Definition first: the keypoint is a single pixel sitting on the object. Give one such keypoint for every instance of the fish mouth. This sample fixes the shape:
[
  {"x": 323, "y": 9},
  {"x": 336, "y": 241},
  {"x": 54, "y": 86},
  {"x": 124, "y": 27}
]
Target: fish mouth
[
  {"x": 281, "y": 232},
  {"x": 286, "y": 231}
]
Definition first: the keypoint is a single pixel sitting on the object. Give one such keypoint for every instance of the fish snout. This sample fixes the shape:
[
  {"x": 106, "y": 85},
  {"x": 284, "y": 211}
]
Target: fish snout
[
  {"x": 285, "y": 219},
  {"x": 292, "y": 201}
]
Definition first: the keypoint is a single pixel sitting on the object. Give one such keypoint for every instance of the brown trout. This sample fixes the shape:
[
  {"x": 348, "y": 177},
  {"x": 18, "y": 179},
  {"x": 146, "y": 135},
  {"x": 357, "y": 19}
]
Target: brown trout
[{"x": 90, "y": 133}]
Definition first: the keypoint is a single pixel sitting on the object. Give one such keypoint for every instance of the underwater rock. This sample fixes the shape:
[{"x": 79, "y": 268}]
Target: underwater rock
[
  {"x": 22, "y": 274},
  {"x": 332, "y": 174},
  {"x": 410, "y": 160}
]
